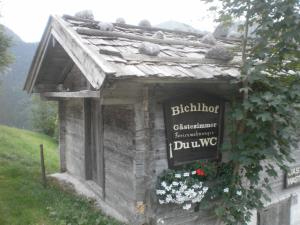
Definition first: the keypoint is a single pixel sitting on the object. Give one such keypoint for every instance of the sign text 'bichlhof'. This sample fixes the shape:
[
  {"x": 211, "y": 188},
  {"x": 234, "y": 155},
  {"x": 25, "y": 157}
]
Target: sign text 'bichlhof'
[{"x": 193, "y": 128}]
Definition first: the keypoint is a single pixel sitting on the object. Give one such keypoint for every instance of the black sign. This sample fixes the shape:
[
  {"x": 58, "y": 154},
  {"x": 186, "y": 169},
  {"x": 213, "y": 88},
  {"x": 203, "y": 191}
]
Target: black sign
[
  {"x": 292, "y": 178},
  {"x": 194, "y": 128}
]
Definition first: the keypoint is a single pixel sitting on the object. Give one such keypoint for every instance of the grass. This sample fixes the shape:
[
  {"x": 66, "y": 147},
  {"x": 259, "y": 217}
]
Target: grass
[{"x": 23, "y": 200}]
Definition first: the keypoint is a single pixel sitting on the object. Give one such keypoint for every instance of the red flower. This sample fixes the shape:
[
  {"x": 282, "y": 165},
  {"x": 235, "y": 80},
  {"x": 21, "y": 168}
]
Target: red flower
[{"x": 200, "y": 172}]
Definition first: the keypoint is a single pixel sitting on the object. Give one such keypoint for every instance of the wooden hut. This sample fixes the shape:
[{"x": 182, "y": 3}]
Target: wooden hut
[{"x": 111, "y": 82}]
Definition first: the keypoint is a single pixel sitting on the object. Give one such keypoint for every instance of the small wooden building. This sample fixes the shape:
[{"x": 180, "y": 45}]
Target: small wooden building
[{"x": 111, "y": 92}]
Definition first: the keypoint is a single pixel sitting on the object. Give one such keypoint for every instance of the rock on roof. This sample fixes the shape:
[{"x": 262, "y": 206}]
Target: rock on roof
[{"x": 115, "y": 52}]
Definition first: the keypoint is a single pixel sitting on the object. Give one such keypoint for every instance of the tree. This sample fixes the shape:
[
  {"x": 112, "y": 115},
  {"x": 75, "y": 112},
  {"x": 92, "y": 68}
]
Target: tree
[
  {"x": 264, "y": 117},
  {"x": 44, "y": 117},
  {"x": 5, "y": 42}
]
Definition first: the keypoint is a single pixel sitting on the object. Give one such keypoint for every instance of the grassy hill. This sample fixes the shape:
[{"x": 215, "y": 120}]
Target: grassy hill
[{"x": 23, "y": 200}]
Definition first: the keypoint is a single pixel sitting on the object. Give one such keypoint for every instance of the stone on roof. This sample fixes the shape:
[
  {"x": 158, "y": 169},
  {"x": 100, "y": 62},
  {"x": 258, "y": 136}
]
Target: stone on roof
[
  {"x": 145, "y": 23},
  {"x": 219, "y": 53},
  {"x": 85, "y": 14},
  {"x": 149, "y": 49},
  {"x": 209, "y": 39},
  {"x": 120, "y": 20}
]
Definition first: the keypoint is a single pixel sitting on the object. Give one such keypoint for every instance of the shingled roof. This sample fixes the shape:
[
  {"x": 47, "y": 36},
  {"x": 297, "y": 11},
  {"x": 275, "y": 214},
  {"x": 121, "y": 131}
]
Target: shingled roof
[{"x": 114, "y": 53}]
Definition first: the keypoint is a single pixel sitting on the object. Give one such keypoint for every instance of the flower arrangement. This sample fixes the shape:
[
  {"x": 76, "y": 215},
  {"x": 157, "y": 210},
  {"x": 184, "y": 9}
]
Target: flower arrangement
[{"x": 186, "y": 186}]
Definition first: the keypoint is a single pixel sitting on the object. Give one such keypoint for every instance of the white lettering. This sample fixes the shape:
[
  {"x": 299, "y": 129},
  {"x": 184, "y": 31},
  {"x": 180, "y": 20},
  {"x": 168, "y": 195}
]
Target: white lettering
[
  {"x": 177, "y": 145},
  {"x": 211, "y": 109},
  {"x": 175, "y": 110},
  {"x": 213, "y": 141},
  {"x": 204, "y": 141},
  {"x": 194, "y": 107}
]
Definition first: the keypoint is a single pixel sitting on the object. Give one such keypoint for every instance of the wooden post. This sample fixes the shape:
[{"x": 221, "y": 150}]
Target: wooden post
[{"x": 44, "y": 179}]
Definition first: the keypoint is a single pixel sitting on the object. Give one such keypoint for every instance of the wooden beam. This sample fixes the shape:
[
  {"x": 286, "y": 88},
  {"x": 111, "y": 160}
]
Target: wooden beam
[
  {"x": 95, "y": 32},
  {"x": 62, "y": 135},
  {"x": 38, "y": 59},
  {"x": 76, "y": 94},
  {"x": 87, "y": 139},
  {"x": 173, "y": 80},
  {"x": 200, "y": 61}
]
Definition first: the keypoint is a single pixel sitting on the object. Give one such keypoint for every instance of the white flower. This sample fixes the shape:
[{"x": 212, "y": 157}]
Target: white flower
[
  {"x": 190, "y": 193},
  {"x": 186, "y": 174},
  {"x": 187, "y": 206},
  {"x": 196, "y": 186},
  {"x": 178, "y": 175},
  {"x": 205, "y": 189},
  {"x": 183, "y": 187},
  {"x": 160, "y": 192},
  {"x": 168, "y": 188},
  {"x": 239, "y": 193},
  {"x": 194, "y": 172},
  {"x": 175, "y": 183},
  {"x": 169, "y": 198},
  {"x": 164, "y": 184},
  {"x": 160, "y": 221},
  {"x": 226, "y": 190}
]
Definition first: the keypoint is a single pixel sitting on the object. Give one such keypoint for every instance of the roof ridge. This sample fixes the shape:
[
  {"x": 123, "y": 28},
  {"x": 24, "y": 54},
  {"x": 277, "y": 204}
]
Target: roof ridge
[
  {"x": 94, "y": 22},
  {"x": 96, "y": 32}
]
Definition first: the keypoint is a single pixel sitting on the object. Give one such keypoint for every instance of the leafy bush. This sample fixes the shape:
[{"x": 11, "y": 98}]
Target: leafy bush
[{"x": 45, "y": 117}]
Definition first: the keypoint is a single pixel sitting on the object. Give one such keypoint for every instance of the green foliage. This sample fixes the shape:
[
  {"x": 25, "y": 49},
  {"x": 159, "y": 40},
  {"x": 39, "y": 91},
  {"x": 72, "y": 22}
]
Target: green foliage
[
  {"x": 24, "y": 200},
  {"x": 264, "y": 117},
  {"x": 5, "y": 57},
  {"x": 44, "y": 117}
]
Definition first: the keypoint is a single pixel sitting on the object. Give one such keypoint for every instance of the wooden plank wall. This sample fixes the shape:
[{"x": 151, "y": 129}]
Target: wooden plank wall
[
  {"x": 118, "y": 156},
  {"x": 62, "y": 135},
  {"x": 276, "y": 214},
  {"x": 74, "y": 137}
]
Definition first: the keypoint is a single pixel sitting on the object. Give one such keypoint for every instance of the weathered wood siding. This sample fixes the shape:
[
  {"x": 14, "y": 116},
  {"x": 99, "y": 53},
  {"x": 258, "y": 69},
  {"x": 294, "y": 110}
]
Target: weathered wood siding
[
  {"x": 118, "y": 156},
  {"x": 74, "y": 137},
  {"x": 276, "y": 214}
]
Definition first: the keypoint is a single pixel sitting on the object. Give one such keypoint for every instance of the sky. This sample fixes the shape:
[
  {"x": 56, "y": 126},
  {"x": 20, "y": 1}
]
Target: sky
[{"x": 28, "y": 18}]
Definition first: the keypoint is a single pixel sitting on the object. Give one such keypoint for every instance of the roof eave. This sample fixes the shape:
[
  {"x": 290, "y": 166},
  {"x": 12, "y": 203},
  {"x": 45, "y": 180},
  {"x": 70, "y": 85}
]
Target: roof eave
[
  {"x": 91, "y": 65},
  {"x": 38, "y": 58}
]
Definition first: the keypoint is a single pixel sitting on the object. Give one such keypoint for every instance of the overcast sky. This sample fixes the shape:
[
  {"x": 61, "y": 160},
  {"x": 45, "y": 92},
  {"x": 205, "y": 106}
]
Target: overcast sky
[{"x": 28, "y": 18}]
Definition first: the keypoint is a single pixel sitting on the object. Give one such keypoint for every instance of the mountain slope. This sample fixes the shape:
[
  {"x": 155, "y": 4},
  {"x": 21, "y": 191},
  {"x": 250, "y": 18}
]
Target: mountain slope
[
  {"x": 15, "y": 104},
  {"x": 174, "y": 25}
]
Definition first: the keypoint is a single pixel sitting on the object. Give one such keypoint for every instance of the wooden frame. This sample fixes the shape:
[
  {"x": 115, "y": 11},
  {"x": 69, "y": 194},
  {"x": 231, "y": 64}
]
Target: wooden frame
[{"x": 74, "y": 94}]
